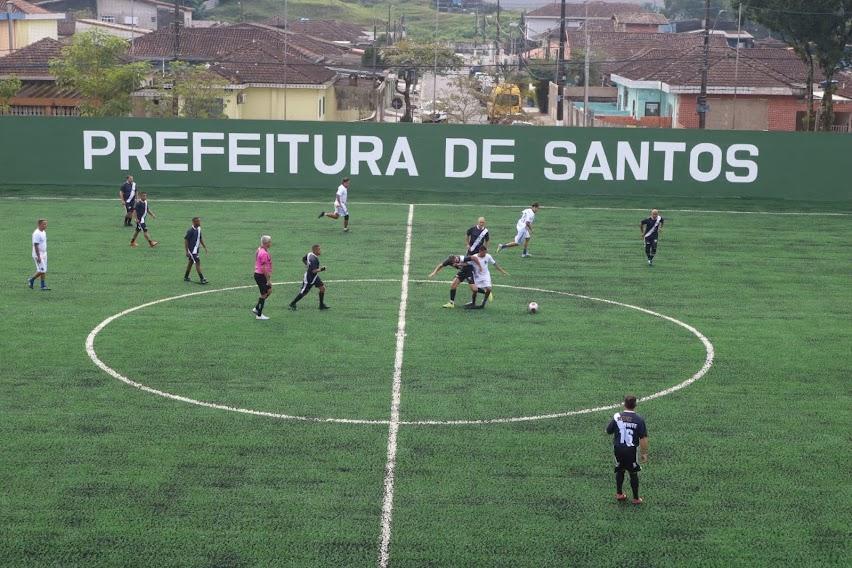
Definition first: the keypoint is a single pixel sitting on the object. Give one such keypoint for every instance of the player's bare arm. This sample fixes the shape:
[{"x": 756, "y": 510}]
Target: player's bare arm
[
  {"x": 643, "y": 449},
  {"x": 500, "y": 268}
]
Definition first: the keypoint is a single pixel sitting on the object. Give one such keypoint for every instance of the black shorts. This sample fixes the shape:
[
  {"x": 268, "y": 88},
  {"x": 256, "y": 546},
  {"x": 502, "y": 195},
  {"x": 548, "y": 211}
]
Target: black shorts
[
  {"x": 625, "y": 459},
  {"x": 142, "y": 227},
  {"x": 465, "y": 274},
  {"x": 308, "y": 284},
  {"x": 195, "y": 258},
  {"x": 129, "y": 205},
  {"x": 262, "y": 283},
  {"x": 651, "y": 241}
]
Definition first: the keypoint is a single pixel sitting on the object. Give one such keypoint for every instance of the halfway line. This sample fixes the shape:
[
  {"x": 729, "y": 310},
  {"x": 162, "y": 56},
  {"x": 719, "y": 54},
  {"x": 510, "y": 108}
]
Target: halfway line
[{"x": 393, "y": 428}]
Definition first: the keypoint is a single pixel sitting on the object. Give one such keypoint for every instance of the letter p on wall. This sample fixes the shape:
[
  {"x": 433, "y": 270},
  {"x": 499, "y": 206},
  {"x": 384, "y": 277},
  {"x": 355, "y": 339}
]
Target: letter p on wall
[{"x": 89, "y": 150}]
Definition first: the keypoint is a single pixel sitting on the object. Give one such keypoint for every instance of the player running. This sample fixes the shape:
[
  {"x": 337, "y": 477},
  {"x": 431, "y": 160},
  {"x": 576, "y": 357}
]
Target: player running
[
  {"x": 142, "y": 213},
  {"x": 627, "y": 429},
  {"x": 263, "y": 275},
  {"x": 341, "y": 207},
  {"x": 39, "y": 242},
  {"x": 524, "y": 227},
  {"x": 127, "y": 194},
  {"x": 191, "y": 241},
  {"x": 464, "y": 264},
  {"x": 311, "y": 278},
  {"x": 650, "y": 229},
  {"x": 482, "y": 277}
]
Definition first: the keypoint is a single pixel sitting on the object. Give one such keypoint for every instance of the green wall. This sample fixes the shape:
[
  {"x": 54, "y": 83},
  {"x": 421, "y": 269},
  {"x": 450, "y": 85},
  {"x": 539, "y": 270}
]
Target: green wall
[{"x": 622, "y": 162}]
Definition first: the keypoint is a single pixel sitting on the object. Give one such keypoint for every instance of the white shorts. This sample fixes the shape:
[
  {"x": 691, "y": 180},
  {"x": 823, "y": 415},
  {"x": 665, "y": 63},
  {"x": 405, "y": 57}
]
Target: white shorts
[
  {"x": 341, "y": 210},
  {"x": 41, "y": 266},
  {"x": 482, "y": 282},
  {"x": 523, "y": 234}
]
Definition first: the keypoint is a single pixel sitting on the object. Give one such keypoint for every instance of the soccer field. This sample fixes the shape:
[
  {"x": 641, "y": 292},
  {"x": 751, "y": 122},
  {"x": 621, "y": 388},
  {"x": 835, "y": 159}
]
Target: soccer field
[{"x": 266, "y": 443}]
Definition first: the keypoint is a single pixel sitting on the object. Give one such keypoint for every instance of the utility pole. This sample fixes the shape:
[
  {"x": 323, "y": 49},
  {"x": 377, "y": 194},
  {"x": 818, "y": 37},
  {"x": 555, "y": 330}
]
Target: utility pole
[
  {"x": 497, "y": 46},
  {"x": 176, "y": 54},
  {"x": 737, "y": 65},
  {"x": 702, "y": 97},
  {"x": 376, "y": 96},
  {"x": 560, "y": 69},
  {"x": 586, "y": 72}
]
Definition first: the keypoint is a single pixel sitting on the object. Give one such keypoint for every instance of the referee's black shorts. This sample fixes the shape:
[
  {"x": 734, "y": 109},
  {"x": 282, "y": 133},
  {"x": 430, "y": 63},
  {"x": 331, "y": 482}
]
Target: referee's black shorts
[
  {"x": 262, "y": 283},
  {"x": 625, "y": 459}
]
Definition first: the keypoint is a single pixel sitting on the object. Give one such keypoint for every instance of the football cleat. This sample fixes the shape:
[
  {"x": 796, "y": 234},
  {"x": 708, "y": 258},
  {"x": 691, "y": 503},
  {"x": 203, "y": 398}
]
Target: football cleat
[
  {"x": 292, "y": 307},
  {"x": 30, "y": 282},
  {"x": 322, "y": 214},
  {"x": 205, "y": 281},
  {"x": 638, "y": 501},
  {"x": 254, "y": 311},
  {"x": 186, "y": 279},
  {"x": 133, "y": 244},
  {"x": 620, "y": 497},
  {"x": 262, "y": 317},
  {"x": 154, "y": 243},
  {"x": 324, "y": 307},
  {"x": 447, "y": 305},
  {"x": 526, "y": 255}
]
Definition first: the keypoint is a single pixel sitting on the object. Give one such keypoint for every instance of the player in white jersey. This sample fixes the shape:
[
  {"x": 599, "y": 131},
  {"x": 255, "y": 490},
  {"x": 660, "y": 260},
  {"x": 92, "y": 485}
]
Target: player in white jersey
[
  {"x": 482, "y": 277},
  {"x": 341, "y": 205},
  {"x": 39, "y": 243},
  {"x": 524, "y": 227}
]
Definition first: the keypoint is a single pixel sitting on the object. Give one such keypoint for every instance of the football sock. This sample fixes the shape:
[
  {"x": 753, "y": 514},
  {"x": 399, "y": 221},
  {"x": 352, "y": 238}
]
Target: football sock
[
  {"x": 259, "y": 307},
  {"x": 296, "y": 299},
  {"x": 43, "y": 283},
  {"x": 473, "y": 298},
  {"x": 485, "y": 299},
  {"x": 322, "y": 298},
  {"x": 452, "y": 294},
  {"x": 186, "y": 274},
  {"x": 201, "y": 276},
  {"x": 619, "y": 481},
  {"x": 634, "y": 483},
  {"x": 525, "y": 251}
]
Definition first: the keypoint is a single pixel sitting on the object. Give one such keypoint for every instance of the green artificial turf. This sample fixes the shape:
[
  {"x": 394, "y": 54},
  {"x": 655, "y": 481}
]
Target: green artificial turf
[{"x": 749, "y": 465}]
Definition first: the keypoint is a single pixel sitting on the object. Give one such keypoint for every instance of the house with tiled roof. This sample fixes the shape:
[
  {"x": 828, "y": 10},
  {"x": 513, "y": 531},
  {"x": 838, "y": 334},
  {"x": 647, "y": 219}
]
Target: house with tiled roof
[
  {"x": 271, "y": 73},
  {"x": 621, "y": 16},
  {"x": 39, "y": 94},
  {"x": 23, "y": 23},
  {"x": 339, "y": 32},
  {"x": 764, "y": 91},
  {"x": 149, "y": 14}
]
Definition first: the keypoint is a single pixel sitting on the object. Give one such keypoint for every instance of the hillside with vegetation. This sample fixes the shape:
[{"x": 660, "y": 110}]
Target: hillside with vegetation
[{"x": 419, "y": 16}]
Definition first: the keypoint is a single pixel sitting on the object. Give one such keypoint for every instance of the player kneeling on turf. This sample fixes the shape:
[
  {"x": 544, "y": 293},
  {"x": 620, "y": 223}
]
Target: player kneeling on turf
[
  {"x": 464, "y": 264},
  {"x": 482, "y": 277}
]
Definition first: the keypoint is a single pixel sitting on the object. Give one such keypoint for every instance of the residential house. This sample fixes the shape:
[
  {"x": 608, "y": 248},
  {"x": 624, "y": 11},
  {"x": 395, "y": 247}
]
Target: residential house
[
  {"x": 617, "y": 15},
  {"x": 753, "y": 90},
  {"x": 272, "y": 73},
  {"x": 149, "y": 14},
  {"x": 339, "y": 32},
  {"x": 23, "y": 24},
  {"x": 39, "y": 94},
  {"x": 118, "y": 30}
]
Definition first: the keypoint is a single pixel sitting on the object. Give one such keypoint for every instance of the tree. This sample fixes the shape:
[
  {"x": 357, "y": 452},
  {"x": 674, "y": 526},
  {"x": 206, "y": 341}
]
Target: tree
[
  {"x": 95, "y": 65},
  {"x": 410, "y": 59},
  {"x": 691, "y": 8},
  {"x": 8, "y": 89},
  {"x": 463, "y": 101},
  {"x": 818, "y": 31},
  {"x": 200, "y": 91}
]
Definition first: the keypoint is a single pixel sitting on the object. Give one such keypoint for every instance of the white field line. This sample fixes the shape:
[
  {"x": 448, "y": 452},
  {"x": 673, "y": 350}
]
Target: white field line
[
  {"x": 708, "y": 362},
  {"x": 396, "y": 396},
  {"x": 479, "y": 205},
  {"x": 90, "y": 350}
]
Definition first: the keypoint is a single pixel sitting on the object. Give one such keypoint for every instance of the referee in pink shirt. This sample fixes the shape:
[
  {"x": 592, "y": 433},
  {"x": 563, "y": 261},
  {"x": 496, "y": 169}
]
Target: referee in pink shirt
[{"x": 263, "y": 275}]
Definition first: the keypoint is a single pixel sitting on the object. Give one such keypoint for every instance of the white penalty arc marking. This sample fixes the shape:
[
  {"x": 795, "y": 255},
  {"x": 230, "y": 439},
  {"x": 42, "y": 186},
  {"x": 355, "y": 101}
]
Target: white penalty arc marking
[
  {"x": 708, "y": 363},
  {"x": 396, "y": 398}
]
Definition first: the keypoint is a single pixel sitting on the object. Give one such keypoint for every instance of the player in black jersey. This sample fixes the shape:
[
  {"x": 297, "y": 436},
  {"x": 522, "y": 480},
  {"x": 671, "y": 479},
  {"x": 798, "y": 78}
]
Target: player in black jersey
[
  {"x": 191, "y": 243},
  {"x": 464, "y": 264},
  {"x": 477, "y": 237},
  {"x": 628, "y": 430},
  {"x": 311, "y": 278},
  {"x": 142, "y": 212},
  {"x": 127, "y": 194},
  {"x": 651, "y": 229}
]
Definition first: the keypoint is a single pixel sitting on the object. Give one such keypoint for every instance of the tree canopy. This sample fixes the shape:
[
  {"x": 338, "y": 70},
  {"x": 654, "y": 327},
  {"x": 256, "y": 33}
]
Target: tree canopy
[{"x": 96, "y": 65}]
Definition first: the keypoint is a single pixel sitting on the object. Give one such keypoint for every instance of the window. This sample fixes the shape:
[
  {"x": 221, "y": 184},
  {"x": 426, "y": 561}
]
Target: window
[
  {"x": 108, "y": 19},
  {"x": 652, "y": 109},
  {"x": 153, "y": 19}
]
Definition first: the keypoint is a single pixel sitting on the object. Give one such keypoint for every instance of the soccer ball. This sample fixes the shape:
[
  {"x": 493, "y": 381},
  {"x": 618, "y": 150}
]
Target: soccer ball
[{"x": 532, "y": 308}]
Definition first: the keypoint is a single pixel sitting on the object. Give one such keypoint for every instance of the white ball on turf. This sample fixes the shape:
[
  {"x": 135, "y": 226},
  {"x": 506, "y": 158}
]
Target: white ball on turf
[{"x": 532, "y": 308}]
